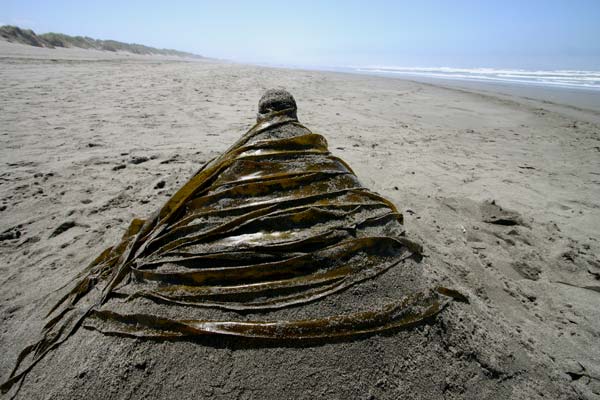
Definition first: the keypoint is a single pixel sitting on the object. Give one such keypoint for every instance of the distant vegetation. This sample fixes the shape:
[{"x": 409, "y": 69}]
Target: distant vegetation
[{"x": 52, "y": 40}]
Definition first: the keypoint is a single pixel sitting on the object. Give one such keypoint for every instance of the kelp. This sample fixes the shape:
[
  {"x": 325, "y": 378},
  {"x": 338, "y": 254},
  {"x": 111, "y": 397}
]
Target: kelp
[
  {"x": 406, "y": 313},
  {"x": 272, "y": 223}
]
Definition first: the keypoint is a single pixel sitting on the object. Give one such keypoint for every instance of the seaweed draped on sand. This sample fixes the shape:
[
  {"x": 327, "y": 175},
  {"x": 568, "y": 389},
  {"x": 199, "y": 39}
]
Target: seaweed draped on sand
[{"x": 276, "y": 221}]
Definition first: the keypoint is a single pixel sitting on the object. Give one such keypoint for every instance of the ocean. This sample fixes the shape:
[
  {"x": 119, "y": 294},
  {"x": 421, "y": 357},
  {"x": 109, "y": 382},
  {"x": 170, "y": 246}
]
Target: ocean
[{"x": 589, "y": 80}]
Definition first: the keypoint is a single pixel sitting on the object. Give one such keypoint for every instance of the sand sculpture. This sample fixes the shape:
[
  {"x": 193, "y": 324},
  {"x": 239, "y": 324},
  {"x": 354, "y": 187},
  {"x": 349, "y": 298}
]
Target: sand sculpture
[{"x": 275, "y": 222}]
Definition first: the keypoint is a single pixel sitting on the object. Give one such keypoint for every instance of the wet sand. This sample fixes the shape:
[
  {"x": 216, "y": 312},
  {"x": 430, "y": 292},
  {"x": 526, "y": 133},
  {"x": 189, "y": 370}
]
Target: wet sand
[
  {"x": 577, "y": 103},
  {"x": 87, "y": 137}
]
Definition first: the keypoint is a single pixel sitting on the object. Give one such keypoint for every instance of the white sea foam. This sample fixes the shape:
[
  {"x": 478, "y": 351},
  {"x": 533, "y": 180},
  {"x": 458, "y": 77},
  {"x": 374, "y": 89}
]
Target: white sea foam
[{"x": 558, "y": 78}]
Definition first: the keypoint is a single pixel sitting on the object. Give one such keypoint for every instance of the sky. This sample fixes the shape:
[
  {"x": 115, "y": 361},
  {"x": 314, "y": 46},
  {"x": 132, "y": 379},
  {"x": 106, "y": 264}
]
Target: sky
[{"x": 528, "y": 34}]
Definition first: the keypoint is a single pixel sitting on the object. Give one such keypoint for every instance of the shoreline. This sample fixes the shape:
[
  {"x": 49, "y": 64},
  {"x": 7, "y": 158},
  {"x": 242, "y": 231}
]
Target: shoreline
[
  {"x": 579, "y": 103},
  {"x": 575, "y": 102}
]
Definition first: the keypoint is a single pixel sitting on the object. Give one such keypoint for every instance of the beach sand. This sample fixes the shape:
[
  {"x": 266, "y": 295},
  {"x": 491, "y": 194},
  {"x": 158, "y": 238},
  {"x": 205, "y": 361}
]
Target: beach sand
[{"x": 90, "y": 140}]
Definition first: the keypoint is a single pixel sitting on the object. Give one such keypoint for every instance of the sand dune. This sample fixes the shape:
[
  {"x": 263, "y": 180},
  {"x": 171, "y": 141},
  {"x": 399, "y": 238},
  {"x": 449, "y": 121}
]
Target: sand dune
[
  {"x": 14, "y": 34},
  {"x": 503, "y": 195}
]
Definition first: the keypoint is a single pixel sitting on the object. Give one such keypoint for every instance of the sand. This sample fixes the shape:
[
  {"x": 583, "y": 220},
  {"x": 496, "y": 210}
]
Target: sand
[{"x": 89, "y": 140}]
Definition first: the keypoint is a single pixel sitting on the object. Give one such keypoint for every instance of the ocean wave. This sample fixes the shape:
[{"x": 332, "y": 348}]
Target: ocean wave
[{"x": 557, "y": 78}]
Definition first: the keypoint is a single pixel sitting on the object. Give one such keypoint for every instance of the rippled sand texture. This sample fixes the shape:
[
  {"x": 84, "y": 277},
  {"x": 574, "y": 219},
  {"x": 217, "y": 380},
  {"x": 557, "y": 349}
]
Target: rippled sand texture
[{"x": 501, "y": 192}]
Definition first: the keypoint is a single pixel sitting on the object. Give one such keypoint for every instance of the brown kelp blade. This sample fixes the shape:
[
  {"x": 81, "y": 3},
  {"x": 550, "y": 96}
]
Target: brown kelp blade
[{"x": 406, "y": 313}]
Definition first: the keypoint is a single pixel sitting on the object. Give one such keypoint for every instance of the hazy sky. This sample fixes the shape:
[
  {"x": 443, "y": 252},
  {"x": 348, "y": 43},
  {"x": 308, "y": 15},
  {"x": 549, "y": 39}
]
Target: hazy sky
[{"x": 544, "y": 34}]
